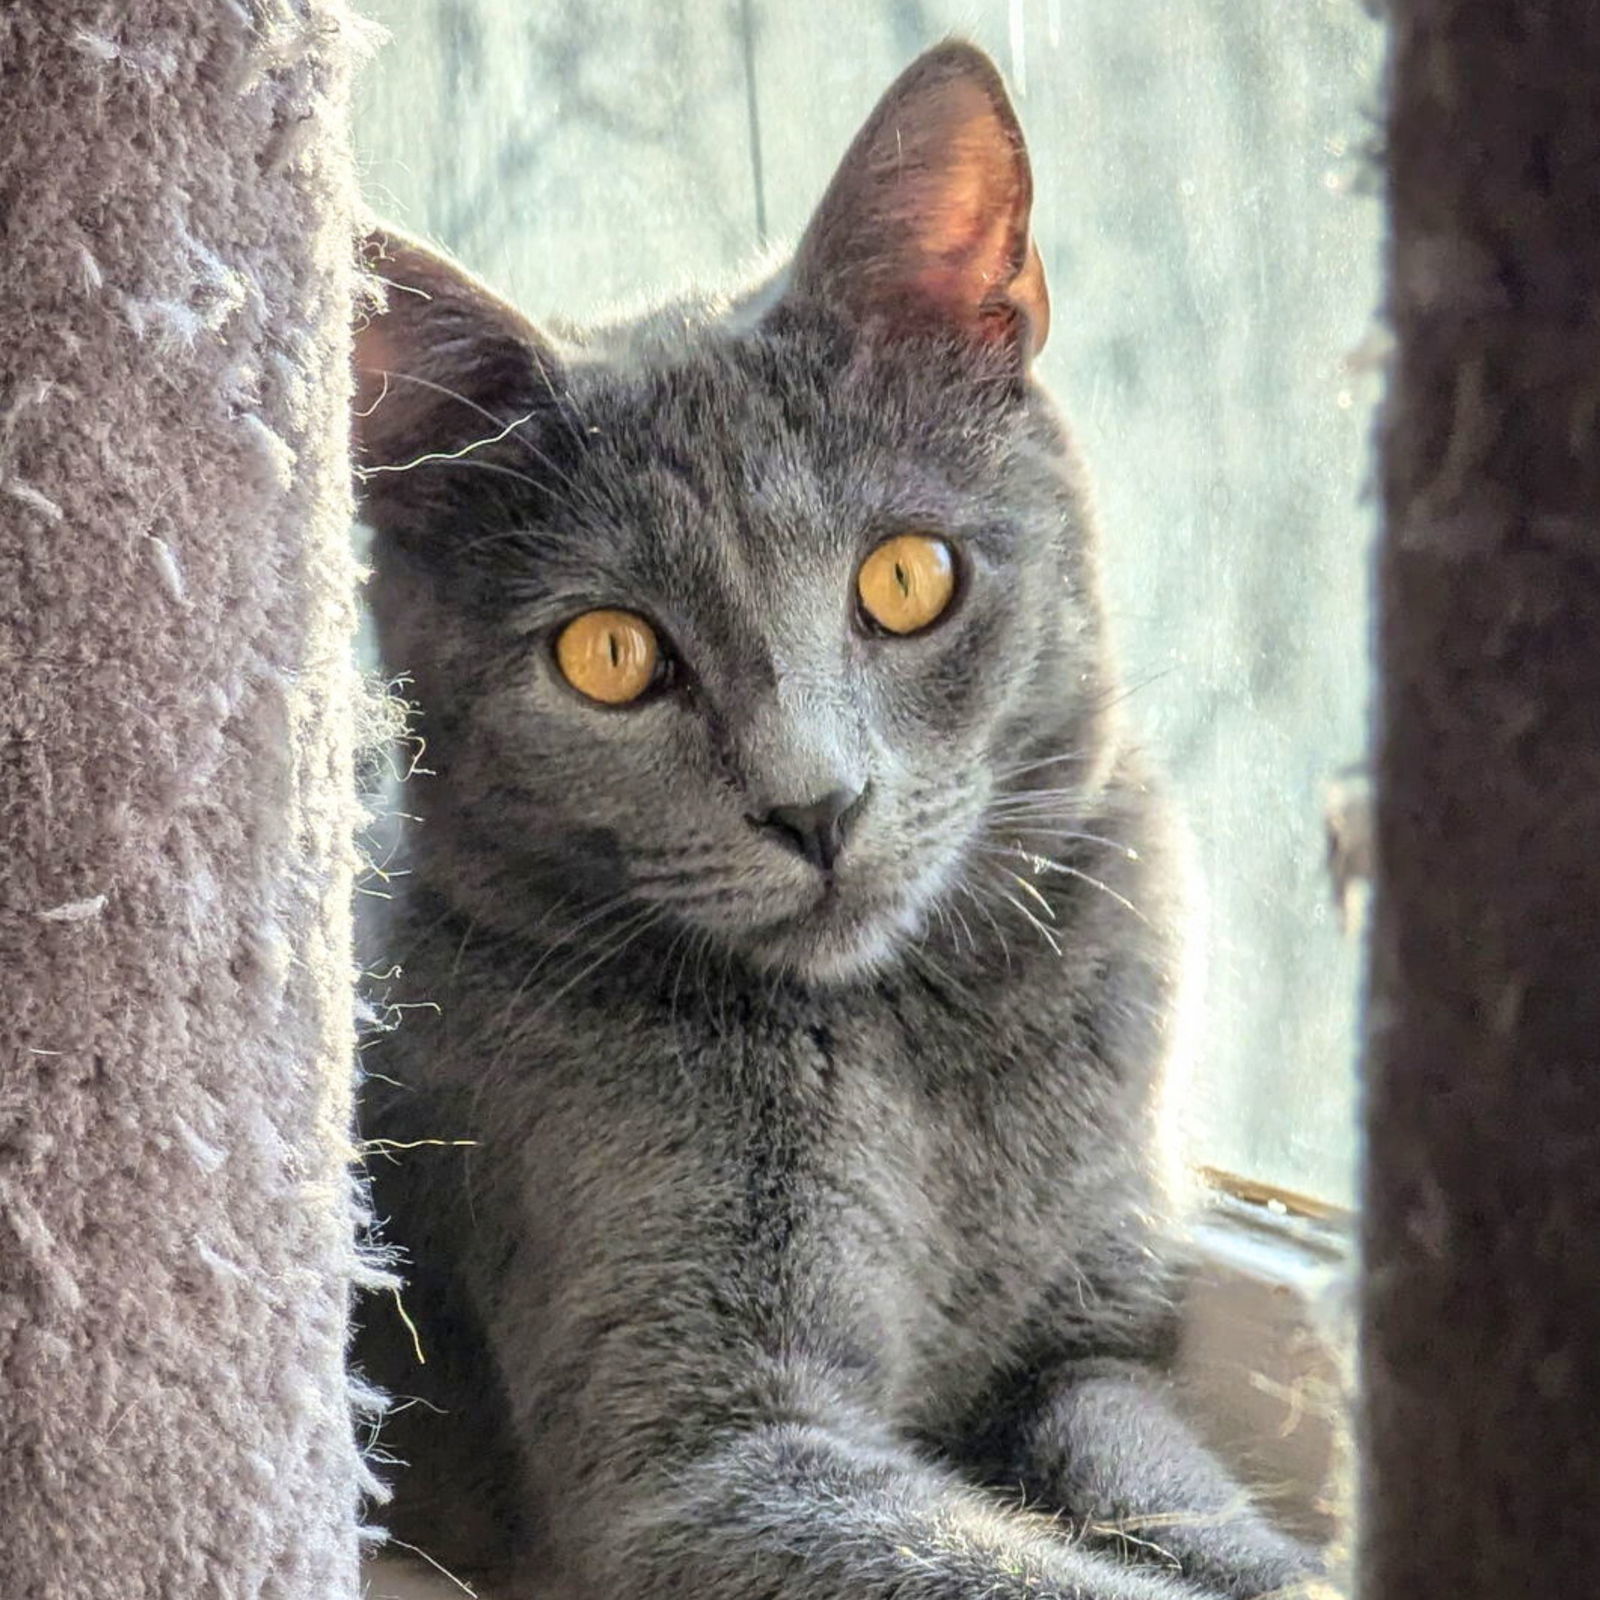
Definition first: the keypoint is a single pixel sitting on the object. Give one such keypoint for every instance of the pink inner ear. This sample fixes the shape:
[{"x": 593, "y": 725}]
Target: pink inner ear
[
  {"x": 966, "y": 235},
  {"x": 928, "y": 215},
  {"x": 974, "y": 191},
  {"x": 375, "y": 356}
]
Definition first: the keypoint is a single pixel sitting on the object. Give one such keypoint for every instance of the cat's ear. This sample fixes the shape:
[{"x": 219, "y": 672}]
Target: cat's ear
[
  {"x": 926, "y": 222},
  {"x": 443, "y": 361}
]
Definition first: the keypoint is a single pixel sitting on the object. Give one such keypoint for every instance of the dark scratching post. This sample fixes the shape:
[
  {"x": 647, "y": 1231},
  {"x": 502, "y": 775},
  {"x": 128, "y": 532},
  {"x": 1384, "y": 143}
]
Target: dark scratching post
[
  {"x": 175, "y": 813},
  {"x": 1481, "y": 1315}
]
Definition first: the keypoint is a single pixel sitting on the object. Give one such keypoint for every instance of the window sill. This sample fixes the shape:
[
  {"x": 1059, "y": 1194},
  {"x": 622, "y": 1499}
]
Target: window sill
[{"x": 1262, "y": 1366}]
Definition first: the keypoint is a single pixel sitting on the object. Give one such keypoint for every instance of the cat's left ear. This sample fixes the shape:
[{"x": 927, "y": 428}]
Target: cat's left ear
[
  {"x": 926, "y": 223},
  {"x": 443, "y": 360}
]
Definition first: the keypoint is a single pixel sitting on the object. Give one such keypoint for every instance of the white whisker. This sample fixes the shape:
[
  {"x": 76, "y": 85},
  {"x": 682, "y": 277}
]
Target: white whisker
[
  {"x": 460, "y": 461},
  {"x": 972, "y": 894},
  {"x": 447, "y": 455},
  {"x": 1023, "y": 767},
  {"x": 1104, "y": 888},
  {"x": 641, "y": 924},
  {"x": 1033, "y": 830},
  {"x": 1022, "y": 883},
  {"x": 506, "y": 431},
  {"x": 566, "y": 938},
  {"x": 1027, "y": 799},
  {"x": 1050, "y": 864},
  {"x": 960, "y": 916},
  {"x": 1049, "y": 938}
]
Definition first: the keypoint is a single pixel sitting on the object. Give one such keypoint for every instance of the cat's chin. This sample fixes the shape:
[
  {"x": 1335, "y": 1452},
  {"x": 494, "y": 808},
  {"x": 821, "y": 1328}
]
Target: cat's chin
[{"x": 835, "y": 943}]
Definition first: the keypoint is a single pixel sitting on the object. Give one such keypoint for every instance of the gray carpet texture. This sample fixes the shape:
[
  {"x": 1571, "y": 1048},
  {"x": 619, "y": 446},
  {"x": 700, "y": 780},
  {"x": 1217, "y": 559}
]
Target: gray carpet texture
[{"x": 176, "y": 813}]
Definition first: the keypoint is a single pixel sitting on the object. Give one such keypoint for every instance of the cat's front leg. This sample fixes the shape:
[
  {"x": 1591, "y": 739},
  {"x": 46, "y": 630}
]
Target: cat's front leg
[
  {"x": 803, "y": 1511},
  {"x": 1100, "y": 1442}
]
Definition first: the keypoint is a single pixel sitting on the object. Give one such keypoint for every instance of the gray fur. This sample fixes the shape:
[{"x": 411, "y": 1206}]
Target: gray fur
[{"x": 803, "y": 1240}]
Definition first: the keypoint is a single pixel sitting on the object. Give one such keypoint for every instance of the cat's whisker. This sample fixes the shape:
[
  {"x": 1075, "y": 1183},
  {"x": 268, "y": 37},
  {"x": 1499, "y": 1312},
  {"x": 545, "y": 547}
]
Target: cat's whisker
[
  {"x": 511, "y": 1031},
  {"x": 694, "y": 877},
  {"x": 1023, "y": 883},
  {"x": 1022, "y": 767},
  {"x": 639, "y": 926},
  {"x": 688, "y": 897},
  {"x": 507, "y": 430},
  {"x": 1115, "y": 696},
  {"x": 461, "y": 949},
  {"x": 947, "y": 915},
  {"x": 581, "y": 962},
  {"x": 702, "y": 974},
  {"x": 972, "y": 894},
  {"x": 724, "y": 988},
  {"x": 1048, "y": 813},
  {"x": 948, "y": 922},
  {"x": 774, "y": 983},
  {"x": 561, "y": 404},
  {"x": 430, "y": 457},
  {"x": 940, "y": 977},
  {"x": 1034, "y": 797},
  {"x": 515, "y": 1035},
  {"x": 960, "y": 916},
  {"x": 1026, "y": 830},
  {"x": 690, "y": 938},
  {"x": 603, "y": 910},
  {"x": 1050, "y": 864},
  {"x": 517, "y": 537},
  {"x": 1049, "y": 937}
]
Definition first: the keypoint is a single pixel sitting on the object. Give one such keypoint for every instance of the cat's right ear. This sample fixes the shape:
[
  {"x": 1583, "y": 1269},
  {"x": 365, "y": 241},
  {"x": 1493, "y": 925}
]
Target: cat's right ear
[
  {"x": 444, "y": 361},
  {"x": 926, "y": 224}
]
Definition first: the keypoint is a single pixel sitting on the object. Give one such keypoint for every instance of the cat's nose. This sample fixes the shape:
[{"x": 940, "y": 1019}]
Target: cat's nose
[{"x": 816, "y": 831}]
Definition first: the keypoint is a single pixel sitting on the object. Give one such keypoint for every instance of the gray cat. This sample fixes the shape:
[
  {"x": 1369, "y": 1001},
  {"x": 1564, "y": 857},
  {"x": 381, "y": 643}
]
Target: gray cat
[{"x": 789, "y": 929}]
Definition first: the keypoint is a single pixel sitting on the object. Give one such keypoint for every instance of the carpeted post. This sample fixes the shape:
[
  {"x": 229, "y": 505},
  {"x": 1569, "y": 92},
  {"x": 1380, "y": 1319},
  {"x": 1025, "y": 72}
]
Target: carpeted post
[
  {"x": 175, "y": 801},
  {"x": 1481, "y": 1316}
]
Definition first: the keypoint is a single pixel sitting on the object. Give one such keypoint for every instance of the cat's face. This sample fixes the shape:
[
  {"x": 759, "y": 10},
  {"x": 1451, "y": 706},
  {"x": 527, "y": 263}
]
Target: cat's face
[{"x": 733, "y": 634}]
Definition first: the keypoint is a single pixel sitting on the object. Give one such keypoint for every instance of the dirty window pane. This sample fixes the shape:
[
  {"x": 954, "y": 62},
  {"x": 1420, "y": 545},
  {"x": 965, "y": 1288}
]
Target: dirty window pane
[{"x": 1213, "y": 278}]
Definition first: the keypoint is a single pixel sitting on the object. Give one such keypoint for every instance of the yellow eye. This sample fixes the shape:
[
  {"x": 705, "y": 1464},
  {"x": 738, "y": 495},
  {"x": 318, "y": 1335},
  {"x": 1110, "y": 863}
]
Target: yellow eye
[
  {"x": 907, "y": 582},
  {"x": 608, "y": 655}
]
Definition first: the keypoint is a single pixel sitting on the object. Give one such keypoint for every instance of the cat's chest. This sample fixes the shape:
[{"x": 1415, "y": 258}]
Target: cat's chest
[{"x": 909, "y": 1186}]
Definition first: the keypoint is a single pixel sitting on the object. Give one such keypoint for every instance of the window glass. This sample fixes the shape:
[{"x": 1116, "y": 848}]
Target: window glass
[{"x": 1213, "y": 278}]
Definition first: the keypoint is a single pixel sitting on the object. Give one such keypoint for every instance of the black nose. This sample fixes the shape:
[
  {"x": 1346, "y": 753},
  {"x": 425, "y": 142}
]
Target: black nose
[{"x": 816, "y": 831}]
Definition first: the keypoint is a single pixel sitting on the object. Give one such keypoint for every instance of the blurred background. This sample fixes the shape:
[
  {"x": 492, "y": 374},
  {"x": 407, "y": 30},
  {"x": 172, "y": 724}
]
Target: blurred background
[{"x": 1201, "y": 176}]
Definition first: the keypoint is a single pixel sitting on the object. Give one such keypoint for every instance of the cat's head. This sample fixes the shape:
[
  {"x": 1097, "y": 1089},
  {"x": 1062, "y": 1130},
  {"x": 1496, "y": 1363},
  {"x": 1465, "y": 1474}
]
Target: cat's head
[{"x": 736, "y": 619}]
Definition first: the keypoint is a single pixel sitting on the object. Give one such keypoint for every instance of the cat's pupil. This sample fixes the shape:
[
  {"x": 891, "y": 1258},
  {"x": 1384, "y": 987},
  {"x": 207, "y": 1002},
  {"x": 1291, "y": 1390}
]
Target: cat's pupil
[
  {"x": 611, "y": 644},
  {"x": 903, "y": 578}
]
